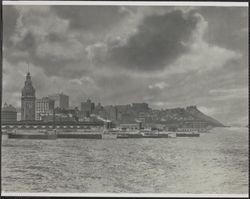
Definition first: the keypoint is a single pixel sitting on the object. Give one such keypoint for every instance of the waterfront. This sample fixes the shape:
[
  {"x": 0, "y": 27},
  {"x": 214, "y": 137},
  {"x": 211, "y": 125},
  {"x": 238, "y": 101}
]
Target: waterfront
[{"x": 216, "y": 162}]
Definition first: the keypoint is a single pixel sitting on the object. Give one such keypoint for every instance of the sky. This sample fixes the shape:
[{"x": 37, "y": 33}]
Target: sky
[{"x": 165, "y": 56}]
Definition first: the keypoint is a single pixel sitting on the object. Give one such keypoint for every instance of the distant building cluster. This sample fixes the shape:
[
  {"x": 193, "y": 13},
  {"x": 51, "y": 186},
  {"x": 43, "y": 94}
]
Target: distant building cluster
[
  {"x": 56, "y": 107},
  {"x": 9, "y": 113},
  {"x": 44, "y": 107},
  {"x": 60, "y": 100}
]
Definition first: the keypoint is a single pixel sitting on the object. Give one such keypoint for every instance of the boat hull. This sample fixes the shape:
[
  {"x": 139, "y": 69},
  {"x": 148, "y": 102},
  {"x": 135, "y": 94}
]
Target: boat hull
[
  {"x": 32, "y": 136},
  {"x": 127, "y": 136},
  {"x": 79, "y": 136},
  {"x": 187, "y": 135},
  {"x": 109, "y": 136},
  {"x": 164, "y": 136}
]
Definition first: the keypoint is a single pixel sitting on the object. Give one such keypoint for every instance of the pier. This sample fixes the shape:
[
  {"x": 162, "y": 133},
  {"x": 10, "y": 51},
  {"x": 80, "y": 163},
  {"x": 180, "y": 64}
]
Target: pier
[{"x": 50, "y": 125}]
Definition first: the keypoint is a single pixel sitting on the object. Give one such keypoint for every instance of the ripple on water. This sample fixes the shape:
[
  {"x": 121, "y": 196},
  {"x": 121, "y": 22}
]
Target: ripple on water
[{"x": 214, "y": 163}]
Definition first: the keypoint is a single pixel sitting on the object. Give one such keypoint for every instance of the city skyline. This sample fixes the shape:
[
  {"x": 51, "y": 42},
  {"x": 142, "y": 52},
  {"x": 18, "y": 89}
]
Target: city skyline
[
  {"x": 79, "y": 105},
  {"x": 161, "y": 56}
]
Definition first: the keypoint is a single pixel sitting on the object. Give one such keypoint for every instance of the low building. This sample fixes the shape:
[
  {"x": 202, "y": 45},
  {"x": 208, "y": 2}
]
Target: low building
[
  {"x": 58, "y": 118},
  {"x": 131, "y": 126},
  {"x": 8, "y": 114},
  {"x": 44, "y": 107},
  {"x": 19, "y": 115},
  {"x": 156, "y": 126},
  {"x": 81, "y": 116},
  {"x": 69, "y": 114}
]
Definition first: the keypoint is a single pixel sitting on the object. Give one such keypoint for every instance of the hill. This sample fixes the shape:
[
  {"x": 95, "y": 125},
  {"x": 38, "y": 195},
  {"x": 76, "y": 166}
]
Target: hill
[{"x": 192, "y": 110}]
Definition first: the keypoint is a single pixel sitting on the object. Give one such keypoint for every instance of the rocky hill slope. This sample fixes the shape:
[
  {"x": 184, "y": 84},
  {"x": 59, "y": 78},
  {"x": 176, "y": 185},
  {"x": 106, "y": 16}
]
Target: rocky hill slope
[{"x": 192, "y": 110}]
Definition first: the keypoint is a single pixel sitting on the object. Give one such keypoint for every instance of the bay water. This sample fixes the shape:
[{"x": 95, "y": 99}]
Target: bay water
[{"x": 215, "y": 162}]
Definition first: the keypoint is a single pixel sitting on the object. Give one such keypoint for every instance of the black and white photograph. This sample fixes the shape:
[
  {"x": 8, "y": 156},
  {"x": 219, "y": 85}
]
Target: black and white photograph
[{"x": 124, "y": 98}]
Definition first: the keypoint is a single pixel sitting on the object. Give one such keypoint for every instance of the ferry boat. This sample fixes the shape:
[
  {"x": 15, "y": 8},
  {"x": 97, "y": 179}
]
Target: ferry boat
[
  {"x": 149, "y": 134},
  {"x": 78, "y": 135},
  {"x": 33, "y": 134},
  {"x": 109, "y": 134},
  {"x": 187, "y": 134},
  {"x": 205, "y": 130},
  {"x": 171, "y": 135},
  {"x": 129, "y": 135}
]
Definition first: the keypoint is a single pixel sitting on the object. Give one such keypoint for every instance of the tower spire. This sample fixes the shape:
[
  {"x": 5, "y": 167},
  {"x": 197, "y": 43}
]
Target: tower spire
[{"x": 28, "y": 99}]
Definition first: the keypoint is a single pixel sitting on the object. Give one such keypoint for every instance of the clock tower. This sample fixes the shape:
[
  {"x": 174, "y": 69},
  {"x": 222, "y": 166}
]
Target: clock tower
[{"x": 28, "y": 100}]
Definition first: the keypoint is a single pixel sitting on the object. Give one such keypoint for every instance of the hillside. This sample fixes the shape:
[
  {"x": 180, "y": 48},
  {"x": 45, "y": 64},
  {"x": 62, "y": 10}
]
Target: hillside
[
  {"x": 192, "y": 110},
  {"x": 181, "y": 117}
]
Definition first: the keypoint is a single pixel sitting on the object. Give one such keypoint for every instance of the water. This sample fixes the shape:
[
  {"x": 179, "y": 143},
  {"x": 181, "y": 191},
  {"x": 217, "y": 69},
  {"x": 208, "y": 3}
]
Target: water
[{"x": 216, "y": 162}]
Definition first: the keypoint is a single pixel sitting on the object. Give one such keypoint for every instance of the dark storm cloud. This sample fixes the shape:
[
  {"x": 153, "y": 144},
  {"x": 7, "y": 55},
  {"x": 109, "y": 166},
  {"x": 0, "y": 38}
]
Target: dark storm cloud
[
  {"x": 90, "y": 18},
  {"x": 59, "y": 53},
  {"x": 157, "y": 43},
  {"x": 28, "y": 43},
  {"x": 52, "y": 65},
  {"x": 58, "y": 67},
  {"x": 23, "y": 50},
  {"x": 226, "y": 26},
  {"x": 10, "y": 15},
  {"x": 26, "y": 48},
  {"x": 60, "y": 41},
  {"x": 54, "y": 37}
]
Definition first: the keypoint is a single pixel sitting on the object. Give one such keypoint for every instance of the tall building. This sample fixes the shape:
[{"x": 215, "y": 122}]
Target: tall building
[
  {"x": 28, "y": 100},
  {"x": 44, "y": 107},
  {"x": 8, "y": 114},
  {"x": 140, "y": 107},
  {"x": 61, "y": 100},
  {"x": 123, "y": 108},
  {"x": 87, "y": 107},
  {"x": 112, "y": 112}
]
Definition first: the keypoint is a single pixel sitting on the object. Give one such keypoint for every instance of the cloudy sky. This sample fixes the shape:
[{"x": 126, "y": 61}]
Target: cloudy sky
[{"x": 165, "y": 56}]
